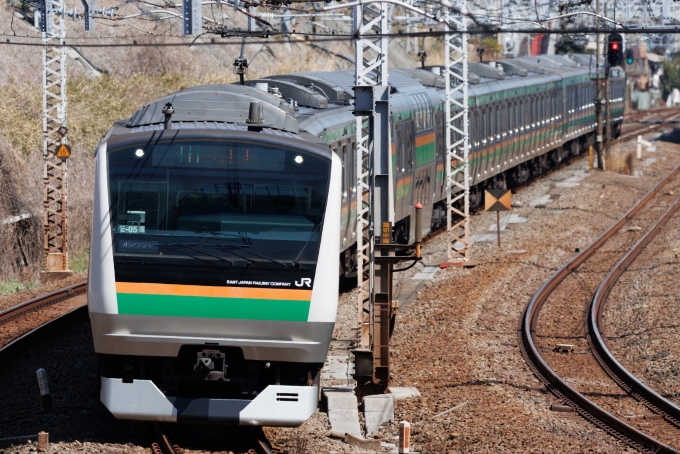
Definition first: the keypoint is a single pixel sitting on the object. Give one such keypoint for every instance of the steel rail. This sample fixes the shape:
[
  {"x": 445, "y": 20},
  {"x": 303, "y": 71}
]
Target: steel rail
[
  {"x": 42, "y": 301},
  {"x": 666, "y": 114},
  {"x": 627, "y": 381},
  {"x": 553, "y": 382}
]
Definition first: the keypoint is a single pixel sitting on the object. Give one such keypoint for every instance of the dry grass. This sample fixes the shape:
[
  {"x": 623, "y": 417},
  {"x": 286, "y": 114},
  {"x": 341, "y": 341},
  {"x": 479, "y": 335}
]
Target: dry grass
[
  {"x": 20, "y": 241},
  {"x": 93, "y": 105},
  {"x": 620, "y": 162}
]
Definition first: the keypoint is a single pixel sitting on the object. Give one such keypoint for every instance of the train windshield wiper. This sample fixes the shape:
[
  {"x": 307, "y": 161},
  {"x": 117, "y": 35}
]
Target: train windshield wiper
[
  {"x": 245, "y": 248},
  {"x": 296, "y": 262},
  {"x": 191, "y": 246}
]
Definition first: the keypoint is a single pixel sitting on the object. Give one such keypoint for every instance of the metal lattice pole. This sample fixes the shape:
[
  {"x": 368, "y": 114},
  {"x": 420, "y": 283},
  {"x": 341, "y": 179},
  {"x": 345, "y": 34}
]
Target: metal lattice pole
[
  {"x": 54, "y": 134},
  {"x": 370, "y": 70},
  {"x": 457, "y": 138}
]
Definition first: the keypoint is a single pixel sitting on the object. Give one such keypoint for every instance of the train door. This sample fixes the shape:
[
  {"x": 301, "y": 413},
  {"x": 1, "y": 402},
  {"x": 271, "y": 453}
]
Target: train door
[
  {"x": 474, "y": 144},
  {"x": 515, "y": 121},
  {"x": 352, "y": 189},
  {"x": 404, "y": 177},
  {"x": 440, "y": 144},
  {"x": 526, "y": 125},
  {"x": 533, "y": 144},
  {"x": 343, "y": 151}
]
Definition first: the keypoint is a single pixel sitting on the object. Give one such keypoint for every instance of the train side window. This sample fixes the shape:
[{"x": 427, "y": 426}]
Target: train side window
[
  {"x": 499, "y": 119},
  {"x": 484, "y": 134},
  {"x": 440, "y": 131},
  {"x": 405, "y": 146},
  {"x": 352, "y": 165},
  {"x": 345, "y": 170}
]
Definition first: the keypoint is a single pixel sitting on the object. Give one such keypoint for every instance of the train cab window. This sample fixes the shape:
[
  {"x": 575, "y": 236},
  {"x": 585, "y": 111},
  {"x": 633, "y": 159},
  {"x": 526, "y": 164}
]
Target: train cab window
[
  {"x": 140, "y": 209},
  {"x": 214, "y": 203}
]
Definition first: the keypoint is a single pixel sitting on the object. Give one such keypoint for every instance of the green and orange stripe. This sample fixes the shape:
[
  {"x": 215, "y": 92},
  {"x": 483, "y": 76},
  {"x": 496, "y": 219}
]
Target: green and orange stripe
[{"x": 174, "y": 300}]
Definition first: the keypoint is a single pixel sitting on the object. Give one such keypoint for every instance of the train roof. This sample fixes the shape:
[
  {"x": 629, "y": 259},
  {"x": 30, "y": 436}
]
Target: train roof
[
  {"x": 323, "y": 99},
  {"x": 213, "y": 107},
  {"x": 315, "y": 101}
]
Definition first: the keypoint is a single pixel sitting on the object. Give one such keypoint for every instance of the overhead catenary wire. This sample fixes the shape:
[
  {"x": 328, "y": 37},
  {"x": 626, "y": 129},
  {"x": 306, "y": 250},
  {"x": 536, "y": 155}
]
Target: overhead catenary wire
[{"x": 28, "y": 40}]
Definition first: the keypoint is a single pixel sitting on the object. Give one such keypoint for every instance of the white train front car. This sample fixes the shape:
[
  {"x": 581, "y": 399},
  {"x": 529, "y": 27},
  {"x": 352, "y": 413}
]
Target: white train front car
[{"x": 213, "y": 282}]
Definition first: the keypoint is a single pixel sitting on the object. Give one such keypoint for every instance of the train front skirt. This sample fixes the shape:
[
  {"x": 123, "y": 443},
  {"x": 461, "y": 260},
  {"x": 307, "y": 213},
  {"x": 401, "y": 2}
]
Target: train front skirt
[{"x": 276, "y": 405}]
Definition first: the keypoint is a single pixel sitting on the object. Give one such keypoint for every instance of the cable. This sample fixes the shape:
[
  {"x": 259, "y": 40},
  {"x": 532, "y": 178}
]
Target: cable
[{"x": 28, "y": 40}]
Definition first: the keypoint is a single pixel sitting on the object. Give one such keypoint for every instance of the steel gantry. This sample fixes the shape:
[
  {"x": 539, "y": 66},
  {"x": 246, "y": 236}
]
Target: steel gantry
[
  {"x": 457, "y": 137},
  {"x": 53, "y": 30}
]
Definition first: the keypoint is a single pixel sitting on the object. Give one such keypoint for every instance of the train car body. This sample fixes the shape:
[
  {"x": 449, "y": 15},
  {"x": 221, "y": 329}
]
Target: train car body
[
  {"x": 209, "y": 294},
  {"x": 526, "y": 115}
]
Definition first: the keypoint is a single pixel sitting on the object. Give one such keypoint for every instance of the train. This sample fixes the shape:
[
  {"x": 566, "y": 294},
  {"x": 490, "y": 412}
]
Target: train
[
  {"x": 526, "y": 115},
  {"x": 221, "y": 213}
]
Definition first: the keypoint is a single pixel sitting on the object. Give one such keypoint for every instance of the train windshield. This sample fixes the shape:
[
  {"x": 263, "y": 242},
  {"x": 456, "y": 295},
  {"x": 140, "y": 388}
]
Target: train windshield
[{"x": 217, "y": 203}]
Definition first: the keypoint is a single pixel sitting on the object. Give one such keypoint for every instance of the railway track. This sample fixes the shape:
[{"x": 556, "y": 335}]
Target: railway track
[
  {"x": 661, "y": 115},
  {"x": 585, "y": 407},
  {"x": 255, "y": 442},
  {"x": 42, "y": 302}
]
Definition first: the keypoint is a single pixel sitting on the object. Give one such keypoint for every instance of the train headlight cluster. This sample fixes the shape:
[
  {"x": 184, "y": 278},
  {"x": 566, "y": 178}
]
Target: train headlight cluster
[
  {"x": 298, "y": 159},
  {"x": 139, "y": 152}
]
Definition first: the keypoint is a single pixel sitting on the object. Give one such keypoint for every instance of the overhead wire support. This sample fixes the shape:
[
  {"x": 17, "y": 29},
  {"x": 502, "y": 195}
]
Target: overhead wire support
[
  {"x": 374, "y": 199},
  {"x": 457, "y": 137},
  {"x": 55, "y": 244}
]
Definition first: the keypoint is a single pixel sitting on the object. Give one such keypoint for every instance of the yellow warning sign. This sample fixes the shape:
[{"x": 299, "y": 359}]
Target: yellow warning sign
[
  {"x": 386, "y": 233},
  {"x": 63, "y": 151},
  {"x": 497, "y": 200}
]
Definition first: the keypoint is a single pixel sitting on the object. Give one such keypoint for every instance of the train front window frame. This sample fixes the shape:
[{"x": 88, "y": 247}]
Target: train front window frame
[{"x": 248, "y": 203}]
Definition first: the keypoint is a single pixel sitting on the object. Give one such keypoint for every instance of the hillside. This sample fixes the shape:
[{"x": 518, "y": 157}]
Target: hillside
[{"x": 109, "y": 83}]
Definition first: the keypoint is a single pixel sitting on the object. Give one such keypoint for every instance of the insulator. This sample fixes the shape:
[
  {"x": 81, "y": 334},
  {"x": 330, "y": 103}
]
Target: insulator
[{"x": 267, "y": 16}]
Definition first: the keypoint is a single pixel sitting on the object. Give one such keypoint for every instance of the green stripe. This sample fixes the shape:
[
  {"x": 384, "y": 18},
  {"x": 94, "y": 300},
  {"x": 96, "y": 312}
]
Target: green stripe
[
  {"x": 209, "y": 307},
  {"x": 425, "y": 153}
]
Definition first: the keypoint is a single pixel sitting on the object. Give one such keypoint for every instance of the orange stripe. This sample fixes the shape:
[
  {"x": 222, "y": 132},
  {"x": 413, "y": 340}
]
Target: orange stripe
[
  {"x": 216, "y": 292},
  {"x": 403, "y": 182},
  {"x": 424, "y": 140}
]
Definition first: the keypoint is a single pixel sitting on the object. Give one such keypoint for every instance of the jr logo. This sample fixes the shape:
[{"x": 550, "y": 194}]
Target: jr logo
[{"x": 305, "y": 281}]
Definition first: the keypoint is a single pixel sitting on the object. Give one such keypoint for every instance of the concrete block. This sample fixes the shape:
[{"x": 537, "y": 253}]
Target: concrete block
[
  {"x": 343, "y": 413},
  {"x": 378, "y": 409},
  {"x": 361, "y": 442},
  {"x": 340, "y": 400},
  {"x": 378, "y": 402},
  {"x": 403, "y": 392}
]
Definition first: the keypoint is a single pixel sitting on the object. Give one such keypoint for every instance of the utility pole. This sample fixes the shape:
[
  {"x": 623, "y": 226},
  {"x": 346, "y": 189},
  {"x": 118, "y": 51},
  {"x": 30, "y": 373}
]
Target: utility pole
[
  {"x": 375, "y": 212},
  {"x": 598, "y": 79},
  {"x": 52, "y": 25},
  {"x": 607, "y": 96}
]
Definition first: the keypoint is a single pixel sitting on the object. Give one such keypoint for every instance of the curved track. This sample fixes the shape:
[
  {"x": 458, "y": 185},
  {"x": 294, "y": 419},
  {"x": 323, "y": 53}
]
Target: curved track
[
  {"x": 35, "y": 304},
  {"x": 42, "y": 301},
  {"x": 627, "y": 381},
  {"x": 553, "y": 382}
]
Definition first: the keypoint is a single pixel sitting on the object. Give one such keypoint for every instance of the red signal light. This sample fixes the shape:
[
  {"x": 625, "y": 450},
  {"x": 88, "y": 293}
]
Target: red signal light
[{"x": 615, "y": 46}]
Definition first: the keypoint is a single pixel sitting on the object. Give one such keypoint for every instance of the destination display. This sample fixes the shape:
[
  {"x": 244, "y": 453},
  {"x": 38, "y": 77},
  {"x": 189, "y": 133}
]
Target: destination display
[{"x": 237, "y": 156}]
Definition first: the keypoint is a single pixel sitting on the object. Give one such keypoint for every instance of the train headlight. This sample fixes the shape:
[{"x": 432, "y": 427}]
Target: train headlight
[
  {"x": 298, "y": 159},
  {"x": 139, "y": 152}
]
